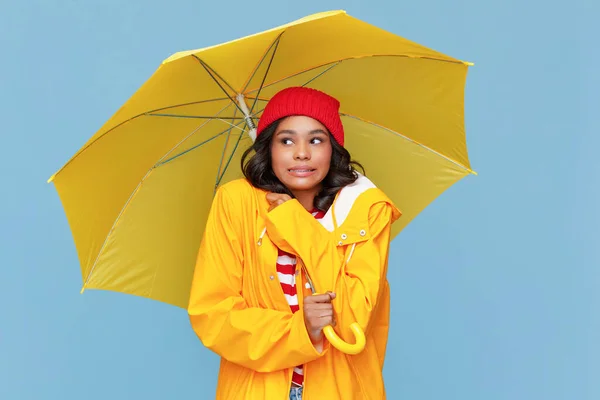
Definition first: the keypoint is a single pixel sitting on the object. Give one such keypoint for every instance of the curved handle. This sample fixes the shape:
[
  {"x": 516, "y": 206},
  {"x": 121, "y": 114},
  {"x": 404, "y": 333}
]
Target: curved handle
[{"x": 341, "y": 345}]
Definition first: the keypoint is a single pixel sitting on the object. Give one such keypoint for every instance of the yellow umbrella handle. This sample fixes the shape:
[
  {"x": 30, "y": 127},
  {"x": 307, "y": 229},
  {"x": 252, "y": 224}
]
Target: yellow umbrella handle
[
  {"x": 338, "y": 342},
  {"x": 341, "y": 345}
]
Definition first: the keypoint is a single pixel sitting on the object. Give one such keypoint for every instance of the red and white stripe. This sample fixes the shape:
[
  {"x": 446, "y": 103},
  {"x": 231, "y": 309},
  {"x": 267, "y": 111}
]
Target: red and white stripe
[{"x": 286, "y": 271}]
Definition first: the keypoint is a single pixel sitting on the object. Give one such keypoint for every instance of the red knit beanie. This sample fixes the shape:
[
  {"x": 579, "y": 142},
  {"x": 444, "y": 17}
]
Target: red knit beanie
[{"x": 307, "y": 102}]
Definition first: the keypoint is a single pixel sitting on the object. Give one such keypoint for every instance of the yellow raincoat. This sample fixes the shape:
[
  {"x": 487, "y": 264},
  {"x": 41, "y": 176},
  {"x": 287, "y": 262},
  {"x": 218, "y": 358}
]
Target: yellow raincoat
[{"x": 238, "y": 309}]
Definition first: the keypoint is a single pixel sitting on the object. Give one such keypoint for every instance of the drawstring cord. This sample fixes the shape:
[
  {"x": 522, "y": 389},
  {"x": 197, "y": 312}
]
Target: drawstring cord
[
  {"x": 309, "y": 283},
  {"x": 261, "y": 236},
  {"x": 351, "y": 251}
]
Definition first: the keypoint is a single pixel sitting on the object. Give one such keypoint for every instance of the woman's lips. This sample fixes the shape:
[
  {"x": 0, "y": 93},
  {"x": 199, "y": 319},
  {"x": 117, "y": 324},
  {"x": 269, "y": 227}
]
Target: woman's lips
[{"x": 301, "y": 172}]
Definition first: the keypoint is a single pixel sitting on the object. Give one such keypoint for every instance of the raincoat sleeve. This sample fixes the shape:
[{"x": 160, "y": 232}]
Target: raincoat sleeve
[
  {"x": 261, "y": 339},
  {"x": 357, "y": 284}
]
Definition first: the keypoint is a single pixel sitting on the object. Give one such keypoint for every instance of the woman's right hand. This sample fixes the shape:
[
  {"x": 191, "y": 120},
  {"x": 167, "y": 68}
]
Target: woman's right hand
[{"x": 318, "y": 313}]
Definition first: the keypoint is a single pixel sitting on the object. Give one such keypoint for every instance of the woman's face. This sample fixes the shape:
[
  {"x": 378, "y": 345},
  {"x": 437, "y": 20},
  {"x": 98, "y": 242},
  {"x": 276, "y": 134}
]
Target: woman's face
[{"x": 301, "y": 153}]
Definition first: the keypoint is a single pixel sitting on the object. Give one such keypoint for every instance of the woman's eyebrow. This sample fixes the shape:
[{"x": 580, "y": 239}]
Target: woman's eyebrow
[{"x": 286, "y": 131}]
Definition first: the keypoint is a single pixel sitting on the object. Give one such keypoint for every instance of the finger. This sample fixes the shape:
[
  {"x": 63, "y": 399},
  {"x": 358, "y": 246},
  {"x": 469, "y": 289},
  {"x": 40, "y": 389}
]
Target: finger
[
  {"x": 275, "y": 196},
  {"x": 318, "y": 306},
  {"x": 318, "y": 298},
  {"x": 320, "y": 322},
  {"x": 327, "y": 296},
  {"x": 325, "y": 313},
  {"x": 318, "y": 313},
  {"x": 271, "y": 197},
  {"x": 323, "y": 322},
  {"x": 312, "y": 303}
]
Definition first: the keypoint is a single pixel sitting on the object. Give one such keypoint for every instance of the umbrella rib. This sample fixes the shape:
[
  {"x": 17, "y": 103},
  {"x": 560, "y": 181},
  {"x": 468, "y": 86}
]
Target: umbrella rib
[
  {"x": 188, "y": 116},
  {"x": 294, "y": 75},
  {"x": 145, "y": 113},
  {"x": 320, "y": 74},
  {"x": 266, "y": 73},
  {"x": 410, "y": 140},
  {"x": 185, "y": 104},
  {"x": 221, "y": 175},
  {"x": 158, "y": 164},
  {"x": 358, "y": 58},
  {"x": 201, "y": 117},
  {"x": 210, "y": 71},
  {"x": 252, "y": 98},
  {"x": 232, "y": 154},
  {"x": 224, "y": 149},
  {"x": 261, "y": 61},
  {"x": 137, "y": 188},
  {"x": 237, "y": 125},
  {"x": 193, "y": 132}
]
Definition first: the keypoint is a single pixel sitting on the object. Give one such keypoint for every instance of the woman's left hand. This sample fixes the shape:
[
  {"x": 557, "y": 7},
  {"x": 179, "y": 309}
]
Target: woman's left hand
[{"x": 276, "y": 199}]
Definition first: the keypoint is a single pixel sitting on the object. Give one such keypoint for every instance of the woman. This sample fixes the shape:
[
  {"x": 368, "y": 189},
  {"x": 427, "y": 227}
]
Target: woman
[{"x": 302, "y": 212}]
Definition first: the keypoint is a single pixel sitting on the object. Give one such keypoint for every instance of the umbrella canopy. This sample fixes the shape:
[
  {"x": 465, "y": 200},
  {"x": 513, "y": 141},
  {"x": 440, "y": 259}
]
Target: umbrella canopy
[{"x": 137, "y": 194}]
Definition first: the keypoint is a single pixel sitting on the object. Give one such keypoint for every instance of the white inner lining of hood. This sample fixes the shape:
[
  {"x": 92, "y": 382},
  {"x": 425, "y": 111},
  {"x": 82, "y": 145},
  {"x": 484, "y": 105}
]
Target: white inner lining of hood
[{"x": 345, "y": 201}]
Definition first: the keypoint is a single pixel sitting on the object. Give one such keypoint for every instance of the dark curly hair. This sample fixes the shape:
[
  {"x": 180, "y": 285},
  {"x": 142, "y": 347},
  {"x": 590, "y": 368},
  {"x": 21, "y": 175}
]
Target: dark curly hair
[{"x": 259, "y": 172}]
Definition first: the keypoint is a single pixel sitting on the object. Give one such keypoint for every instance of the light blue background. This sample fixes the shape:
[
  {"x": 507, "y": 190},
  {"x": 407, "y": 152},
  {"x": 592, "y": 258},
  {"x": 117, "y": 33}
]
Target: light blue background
[{"x": 495, "y": 285}]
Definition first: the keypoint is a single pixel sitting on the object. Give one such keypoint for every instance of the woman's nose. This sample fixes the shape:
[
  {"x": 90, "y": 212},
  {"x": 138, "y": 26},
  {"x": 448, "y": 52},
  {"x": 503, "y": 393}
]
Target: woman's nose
[{"x": 302, "y": 152}]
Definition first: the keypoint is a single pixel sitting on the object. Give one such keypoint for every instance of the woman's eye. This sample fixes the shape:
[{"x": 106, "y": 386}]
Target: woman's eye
[
  {"x": 286, "y": 141},
  {"x": 316, "y": 141}
]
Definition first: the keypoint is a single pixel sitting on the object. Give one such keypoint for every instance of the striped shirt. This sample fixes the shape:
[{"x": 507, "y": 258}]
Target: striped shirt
[{"x": 286, "y": 271}]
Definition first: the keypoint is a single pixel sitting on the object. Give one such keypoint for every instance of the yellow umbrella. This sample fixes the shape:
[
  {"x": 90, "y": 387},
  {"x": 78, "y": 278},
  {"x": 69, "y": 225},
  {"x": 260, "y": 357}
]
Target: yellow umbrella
[{"x": 136, "y": 195}]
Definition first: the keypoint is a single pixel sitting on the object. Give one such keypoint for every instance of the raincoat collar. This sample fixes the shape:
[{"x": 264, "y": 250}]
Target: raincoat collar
[{"x": 348, "y": 216}]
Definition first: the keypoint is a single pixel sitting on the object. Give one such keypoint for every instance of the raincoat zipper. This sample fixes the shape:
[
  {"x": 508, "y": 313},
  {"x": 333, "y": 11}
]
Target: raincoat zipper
[
  {"x": 300, "y": 294},
  {"x": 300, "y": 285}
]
